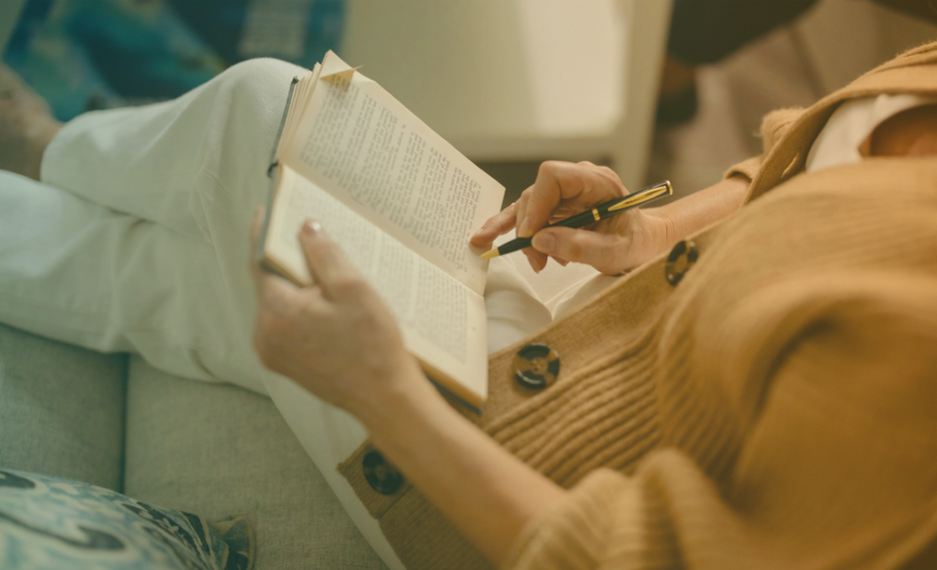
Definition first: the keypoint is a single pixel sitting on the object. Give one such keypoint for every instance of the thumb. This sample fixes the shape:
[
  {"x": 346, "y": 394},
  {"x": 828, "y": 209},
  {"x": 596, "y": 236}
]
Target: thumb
[
  {"x": 609, "y": 253},
  {"x": 327, "y": 264}
]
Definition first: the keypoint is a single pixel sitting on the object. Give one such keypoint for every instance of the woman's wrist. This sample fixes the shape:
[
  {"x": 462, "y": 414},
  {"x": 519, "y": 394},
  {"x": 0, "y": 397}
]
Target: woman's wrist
[
  {"x": 404, "y": 387},
  {"x": 395, "y": 421},
  {"x": 679, "y": 219},
  {"x": 660, "y": 232}
]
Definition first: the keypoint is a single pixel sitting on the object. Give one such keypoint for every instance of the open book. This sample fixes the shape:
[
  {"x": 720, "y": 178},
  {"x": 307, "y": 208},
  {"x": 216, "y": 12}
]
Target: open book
[{"x": 401, "y": 202}]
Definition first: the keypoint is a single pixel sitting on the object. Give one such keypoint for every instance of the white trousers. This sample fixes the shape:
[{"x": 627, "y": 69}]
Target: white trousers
[{"x": 137, "y": 240}]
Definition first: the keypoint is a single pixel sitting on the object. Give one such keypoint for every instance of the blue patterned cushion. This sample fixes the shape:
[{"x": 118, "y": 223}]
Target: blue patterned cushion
[{"x": 47, "y": 523}]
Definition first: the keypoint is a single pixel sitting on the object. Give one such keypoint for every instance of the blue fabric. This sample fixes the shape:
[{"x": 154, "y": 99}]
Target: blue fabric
[
  {"x": 86, "y": 55},
  {"x": 83, "y": 55},
  {"x": 48, "y": 523}
]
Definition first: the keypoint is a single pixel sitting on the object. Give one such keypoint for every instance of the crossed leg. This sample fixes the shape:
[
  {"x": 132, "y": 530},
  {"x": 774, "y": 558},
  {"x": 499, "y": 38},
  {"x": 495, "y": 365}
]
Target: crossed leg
[{"x": 137, "y": 240}]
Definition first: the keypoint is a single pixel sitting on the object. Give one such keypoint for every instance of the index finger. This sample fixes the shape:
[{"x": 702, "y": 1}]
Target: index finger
[
  {"x": 497, "y": 225},
  {"x": 581, "y": 186}
]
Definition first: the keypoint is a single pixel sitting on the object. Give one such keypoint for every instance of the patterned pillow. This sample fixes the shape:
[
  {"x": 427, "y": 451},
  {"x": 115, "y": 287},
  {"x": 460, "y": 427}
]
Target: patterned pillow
[{"x": 50, "y": 523}]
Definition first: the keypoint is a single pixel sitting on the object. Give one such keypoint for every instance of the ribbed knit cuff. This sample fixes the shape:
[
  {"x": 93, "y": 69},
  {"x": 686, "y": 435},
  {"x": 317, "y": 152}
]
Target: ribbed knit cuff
[{"x": 747, "y": 168}]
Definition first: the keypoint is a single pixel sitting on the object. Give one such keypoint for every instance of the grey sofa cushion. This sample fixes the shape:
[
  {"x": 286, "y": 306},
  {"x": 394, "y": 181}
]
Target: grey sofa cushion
[
  {"x": 61, "y": 409},
  {"x": 217, "y": 450}
]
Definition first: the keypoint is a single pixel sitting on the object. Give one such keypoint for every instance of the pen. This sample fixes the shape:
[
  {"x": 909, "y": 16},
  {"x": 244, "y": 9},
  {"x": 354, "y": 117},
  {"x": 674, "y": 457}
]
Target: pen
[{"x": 600, "y": 212}]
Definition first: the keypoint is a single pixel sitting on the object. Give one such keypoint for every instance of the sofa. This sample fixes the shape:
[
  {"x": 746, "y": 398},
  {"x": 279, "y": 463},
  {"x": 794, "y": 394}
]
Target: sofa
[{"x": 211, "y": 449}]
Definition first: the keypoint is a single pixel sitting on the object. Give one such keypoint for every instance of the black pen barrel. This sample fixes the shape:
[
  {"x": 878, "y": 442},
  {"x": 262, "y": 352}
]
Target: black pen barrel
[
  {"x": 514, "y": 245},
  {"x": 600, "y": 212},
  {"x": 576, "y": 221}
]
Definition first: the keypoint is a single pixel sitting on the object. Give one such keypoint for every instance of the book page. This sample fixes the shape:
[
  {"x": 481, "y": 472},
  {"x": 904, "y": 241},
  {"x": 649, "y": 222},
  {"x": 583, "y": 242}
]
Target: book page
[
  {"x": 443, "y": 321},
  {"x": 361, "y": 145},
  {"x": 295, "y": 108}
]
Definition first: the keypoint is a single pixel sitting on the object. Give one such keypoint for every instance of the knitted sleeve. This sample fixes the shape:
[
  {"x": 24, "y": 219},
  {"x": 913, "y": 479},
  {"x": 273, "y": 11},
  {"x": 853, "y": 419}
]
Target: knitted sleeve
[
  {"x": 773, "y": 127},
  {"x": 836, "y": 467}
]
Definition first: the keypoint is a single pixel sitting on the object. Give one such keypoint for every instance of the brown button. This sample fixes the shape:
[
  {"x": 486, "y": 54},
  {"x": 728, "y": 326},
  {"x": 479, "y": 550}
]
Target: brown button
[
  {"x": 381, "y": 475},
  {"x": 681, "y": 259},
  {"x": 536, "y": 366}
]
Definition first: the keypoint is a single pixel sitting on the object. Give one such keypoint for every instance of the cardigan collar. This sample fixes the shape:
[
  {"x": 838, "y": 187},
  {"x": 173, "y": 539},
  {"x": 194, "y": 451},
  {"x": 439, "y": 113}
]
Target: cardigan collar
[{"x": 788, "y": 157}]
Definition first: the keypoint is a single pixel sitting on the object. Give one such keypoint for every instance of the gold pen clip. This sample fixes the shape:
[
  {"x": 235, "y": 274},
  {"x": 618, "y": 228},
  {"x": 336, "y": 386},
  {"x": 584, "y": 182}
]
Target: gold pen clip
[{"x": 642, "y": 197}]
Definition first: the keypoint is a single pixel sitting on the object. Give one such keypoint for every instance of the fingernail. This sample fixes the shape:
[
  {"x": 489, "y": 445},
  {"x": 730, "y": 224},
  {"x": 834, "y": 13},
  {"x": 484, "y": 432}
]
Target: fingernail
[
  {"x": 544, "y": 242},
  {"x": 524, "y": 230},
  {"x": 311, "y": 227}
]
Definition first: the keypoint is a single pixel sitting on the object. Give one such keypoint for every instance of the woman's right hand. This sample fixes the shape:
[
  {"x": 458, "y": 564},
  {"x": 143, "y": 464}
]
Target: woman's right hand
[{"x": 562, "y": 189}]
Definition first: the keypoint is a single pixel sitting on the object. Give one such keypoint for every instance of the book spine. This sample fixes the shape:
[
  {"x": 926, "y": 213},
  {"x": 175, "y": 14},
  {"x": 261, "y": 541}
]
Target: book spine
[{"x": 286, "y": 112}]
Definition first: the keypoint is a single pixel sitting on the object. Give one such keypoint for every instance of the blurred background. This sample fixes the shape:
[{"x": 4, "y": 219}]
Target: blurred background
[{"x": 654, "y": 88}]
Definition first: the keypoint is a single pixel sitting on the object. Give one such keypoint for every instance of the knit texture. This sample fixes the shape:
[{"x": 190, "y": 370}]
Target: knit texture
[{"x": 773, "y": 410}]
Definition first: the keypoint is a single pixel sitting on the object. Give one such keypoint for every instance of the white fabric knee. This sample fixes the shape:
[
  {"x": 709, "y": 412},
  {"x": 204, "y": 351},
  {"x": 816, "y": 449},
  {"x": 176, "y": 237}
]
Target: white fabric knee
[
  {"x": 138, "y": 242},
  {"x": 78, "y": 272},
  {"x": 194, "y": 169}
]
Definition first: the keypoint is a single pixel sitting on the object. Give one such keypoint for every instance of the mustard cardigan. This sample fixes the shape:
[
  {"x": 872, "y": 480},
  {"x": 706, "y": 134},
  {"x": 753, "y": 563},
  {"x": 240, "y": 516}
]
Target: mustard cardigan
[{"x": 777, "y": 408}]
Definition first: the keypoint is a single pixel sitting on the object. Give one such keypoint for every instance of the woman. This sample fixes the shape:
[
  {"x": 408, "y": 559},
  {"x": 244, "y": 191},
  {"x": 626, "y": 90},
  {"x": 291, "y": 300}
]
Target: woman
[
  {"x": 767, "y": 408},
  {"x": 769, "y": 404}
]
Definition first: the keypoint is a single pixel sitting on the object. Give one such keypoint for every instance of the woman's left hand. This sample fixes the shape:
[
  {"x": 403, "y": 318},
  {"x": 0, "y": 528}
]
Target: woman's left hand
[
  {"x": 335, "y": 338},
  {"x": 338, "y": 340}
]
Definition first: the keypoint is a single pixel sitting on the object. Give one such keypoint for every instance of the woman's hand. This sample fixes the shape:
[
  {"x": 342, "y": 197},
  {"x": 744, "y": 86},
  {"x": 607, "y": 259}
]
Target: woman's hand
[
  {"x": 336, "y": 338},
  {"x": 612, "y": 246},
  {"x": 340, "y": 342}
]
